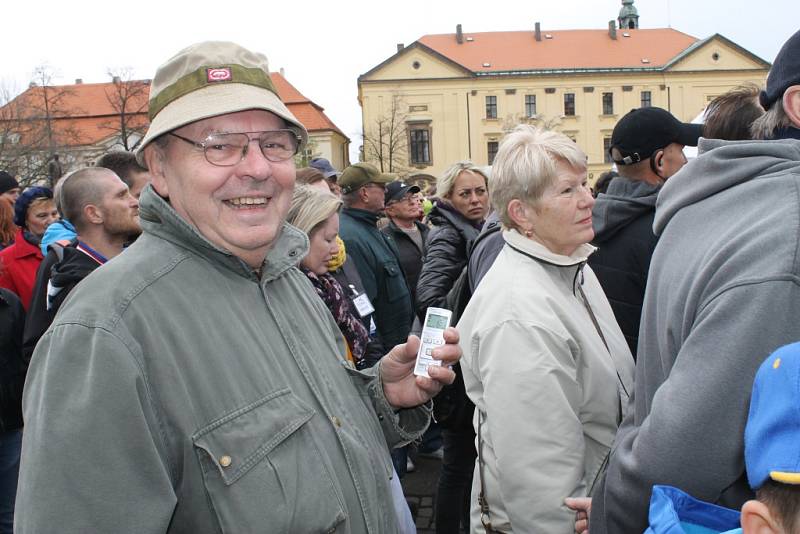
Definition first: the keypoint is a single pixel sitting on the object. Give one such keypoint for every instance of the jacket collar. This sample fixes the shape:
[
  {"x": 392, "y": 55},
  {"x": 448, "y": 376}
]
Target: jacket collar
[
  {"x": 532, "y": 248},
  {"x": 23, "y": 248},
  {"x": 159, "y": 218},
  {"x": 445, "y": 210},
  {"x": 367, "y": 217}
]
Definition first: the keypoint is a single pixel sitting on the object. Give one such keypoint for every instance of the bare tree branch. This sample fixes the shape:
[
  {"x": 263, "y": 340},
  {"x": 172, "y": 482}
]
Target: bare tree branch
[
  {"x": 386, "y": 139},
  {"x": 128, "y": 99}
]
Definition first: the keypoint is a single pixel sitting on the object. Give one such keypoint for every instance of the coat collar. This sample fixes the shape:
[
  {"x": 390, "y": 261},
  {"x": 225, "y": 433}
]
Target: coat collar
[
  {"x": 367, "y": 217},
  {"x": 159, "y": 218},
  {"x": 529, "y": 247},
  {"x": 23, "y": 248}
]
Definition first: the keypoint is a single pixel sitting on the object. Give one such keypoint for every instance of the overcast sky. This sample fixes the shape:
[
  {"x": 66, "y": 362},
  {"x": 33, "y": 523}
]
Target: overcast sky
[{"x": 325, "y": 46}]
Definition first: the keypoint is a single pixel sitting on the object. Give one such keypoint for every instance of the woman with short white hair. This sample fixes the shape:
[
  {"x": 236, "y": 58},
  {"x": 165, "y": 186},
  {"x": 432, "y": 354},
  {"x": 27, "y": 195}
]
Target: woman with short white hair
[{"x": 544, "y": 360}]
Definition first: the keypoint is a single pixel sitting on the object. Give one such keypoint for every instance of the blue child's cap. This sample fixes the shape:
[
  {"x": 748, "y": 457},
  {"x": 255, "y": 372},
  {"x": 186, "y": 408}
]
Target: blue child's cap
[{"x": 772, "y": 434}]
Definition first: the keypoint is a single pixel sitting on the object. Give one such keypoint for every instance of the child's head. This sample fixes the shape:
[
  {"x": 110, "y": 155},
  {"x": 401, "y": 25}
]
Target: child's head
[{"x": 772, "y": 446}]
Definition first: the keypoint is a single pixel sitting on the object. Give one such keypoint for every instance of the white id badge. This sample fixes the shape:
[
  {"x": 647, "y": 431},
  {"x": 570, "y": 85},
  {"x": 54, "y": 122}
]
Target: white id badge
[{"x": 363, "y": 305}]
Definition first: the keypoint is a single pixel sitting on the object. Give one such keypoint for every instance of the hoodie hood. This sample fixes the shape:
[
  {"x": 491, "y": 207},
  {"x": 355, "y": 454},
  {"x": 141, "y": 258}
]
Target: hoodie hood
[
  {"x": 722, "y": 165},
  {"x": 623, "y": 202}
]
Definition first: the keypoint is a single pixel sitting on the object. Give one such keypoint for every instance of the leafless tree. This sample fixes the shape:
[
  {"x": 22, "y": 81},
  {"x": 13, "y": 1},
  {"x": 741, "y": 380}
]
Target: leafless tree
[
  {"x": 128, "y": 99},
  {"x": 512, "y": 120},
  {"x": 386, "y": 138},
  {"x": 35, "y": 125}
]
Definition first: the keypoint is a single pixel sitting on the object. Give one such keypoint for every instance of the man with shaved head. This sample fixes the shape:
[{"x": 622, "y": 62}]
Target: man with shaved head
[{"x": 106, "y": 216}]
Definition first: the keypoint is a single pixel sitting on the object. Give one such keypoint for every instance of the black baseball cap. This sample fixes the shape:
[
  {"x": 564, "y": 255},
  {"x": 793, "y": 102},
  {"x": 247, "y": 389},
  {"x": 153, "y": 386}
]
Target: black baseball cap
[
  {"x": 397, "y": 190},
  {"x": 785, "y": 72},
  {"x": 642, "y": 131}
]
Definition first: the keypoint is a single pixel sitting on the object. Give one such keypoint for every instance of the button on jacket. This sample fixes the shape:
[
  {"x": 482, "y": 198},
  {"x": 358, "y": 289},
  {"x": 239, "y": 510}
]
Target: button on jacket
[{"x": 176, "y": 391}]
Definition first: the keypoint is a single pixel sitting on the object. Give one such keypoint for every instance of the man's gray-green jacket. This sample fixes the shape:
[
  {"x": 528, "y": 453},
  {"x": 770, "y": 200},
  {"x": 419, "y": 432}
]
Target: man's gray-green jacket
[{"x": 177, "y": 391}]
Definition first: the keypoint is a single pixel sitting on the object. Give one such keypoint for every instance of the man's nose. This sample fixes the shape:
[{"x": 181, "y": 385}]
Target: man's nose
[{"x": 255, "y": 164}]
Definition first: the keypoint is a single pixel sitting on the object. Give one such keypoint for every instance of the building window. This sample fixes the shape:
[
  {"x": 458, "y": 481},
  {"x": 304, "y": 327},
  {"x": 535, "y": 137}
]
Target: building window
[
  {"x": 606, "y": 150},
  {"x": 491, "y": 151},
  {"x": 419, "y": 142},
  {"x": 608, "y": 103},
  {"x": 530, "y": 106},
  {"x": 491, "y": 107},
  {"x": 569, "y": 104},
  {"x": 647, "y": 99}
]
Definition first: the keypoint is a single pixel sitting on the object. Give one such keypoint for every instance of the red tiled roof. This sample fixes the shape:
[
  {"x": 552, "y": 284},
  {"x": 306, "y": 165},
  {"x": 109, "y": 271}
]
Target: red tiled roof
[
  {"x": 307, "y": 112},
  {"x": 88, "y": 99},
  {"x": 84, "y": 112},
  {"x": 567, "y": 49}
]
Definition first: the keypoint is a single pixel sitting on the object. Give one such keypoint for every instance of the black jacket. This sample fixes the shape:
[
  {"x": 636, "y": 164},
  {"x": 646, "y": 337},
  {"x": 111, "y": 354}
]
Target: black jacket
[
  {"x": 410, "y": 255},
  {"x": 375, "y": 256},
  {"x": 61, "y": 272},
  {"x": 447, "y": 251},
  {"x": 623, "y": 226},
  {"x": 12, "y": 365}
]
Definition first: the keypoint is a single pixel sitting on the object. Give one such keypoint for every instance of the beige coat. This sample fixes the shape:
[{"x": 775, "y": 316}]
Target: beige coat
[{"x": 550, "y": 394}]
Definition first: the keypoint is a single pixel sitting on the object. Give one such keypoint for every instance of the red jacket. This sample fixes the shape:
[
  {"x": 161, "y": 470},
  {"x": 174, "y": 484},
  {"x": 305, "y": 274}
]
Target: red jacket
[{"x": 18, "y": 266}]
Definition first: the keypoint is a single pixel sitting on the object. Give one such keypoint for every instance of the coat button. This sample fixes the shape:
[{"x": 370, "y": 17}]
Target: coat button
[
  {"x": 225, "y": 461},
  {"x": 336, "y": 421}
]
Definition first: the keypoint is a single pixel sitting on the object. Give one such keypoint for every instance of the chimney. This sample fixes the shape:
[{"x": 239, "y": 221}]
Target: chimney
[
  {"x": 283, "y": 72},
  {"x": 78, "y": 81},
  {"x": 31, "y": 85},
  {"x": 612, "y": 29},
  {"x": 115, "y": 79},
  {"x": 459, "y": 34},
  {"x": 400, "y": 47},
  {"x": 538, "y": 32}
]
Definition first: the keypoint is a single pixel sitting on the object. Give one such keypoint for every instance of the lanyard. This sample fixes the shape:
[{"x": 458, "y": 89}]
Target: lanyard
[{"x": 89, "y": 251}]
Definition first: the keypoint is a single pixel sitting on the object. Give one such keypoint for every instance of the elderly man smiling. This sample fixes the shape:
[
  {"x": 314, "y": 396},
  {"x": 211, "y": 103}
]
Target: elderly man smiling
[{"x": 196, "y": 383}]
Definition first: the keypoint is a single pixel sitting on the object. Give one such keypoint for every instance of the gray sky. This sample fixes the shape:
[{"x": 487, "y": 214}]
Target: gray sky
[{"x": 325, "y": 46}]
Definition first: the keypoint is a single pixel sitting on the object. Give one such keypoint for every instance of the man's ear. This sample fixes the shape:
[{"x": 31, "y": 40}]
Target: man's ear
[
  {"x": 659, "y": 158},
  {"x": 757, "y": 519},
  {"x": 92, "y": 214},
  {"x": 154, "y": 158},
  {"x": 791, "y": 104}
]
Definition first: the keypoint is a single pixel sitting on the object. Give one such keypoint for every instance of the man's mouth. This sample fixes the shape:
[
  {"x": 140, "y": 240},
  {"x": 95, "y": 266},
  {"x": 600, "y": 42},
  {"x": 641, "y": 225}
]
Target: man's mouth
[{"x": 244, "y": 202}]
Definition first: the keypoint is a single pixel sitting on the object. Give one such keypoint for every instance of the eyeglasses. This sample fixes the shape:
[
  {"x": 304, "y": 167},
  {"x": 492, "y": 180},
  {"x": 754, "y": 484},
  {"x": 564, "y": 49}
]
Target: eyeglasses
[
  {"x": 228, "y": 149},
  {"x": 411, "y": 198}
]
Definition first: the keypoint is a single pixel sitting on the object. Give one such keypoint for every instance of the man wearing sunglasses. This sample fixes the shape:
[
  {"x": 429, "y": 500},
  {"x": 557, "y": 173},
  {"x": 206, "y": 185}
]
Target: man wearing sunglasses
[{"x": 196, "y": 383}]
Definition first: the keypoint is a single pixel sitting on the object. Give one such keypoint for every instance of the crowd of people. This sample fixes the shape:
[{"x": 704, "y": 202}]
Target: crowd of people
[{"x": 201, "y": 337}]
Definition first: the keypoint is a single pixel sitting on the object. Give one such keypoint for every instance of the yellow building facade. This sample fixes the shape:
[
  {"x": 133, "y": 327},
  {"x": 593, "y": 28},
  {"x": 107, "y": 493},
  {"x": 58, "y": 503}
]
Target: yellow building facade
[{"x": 452, "y": 96}]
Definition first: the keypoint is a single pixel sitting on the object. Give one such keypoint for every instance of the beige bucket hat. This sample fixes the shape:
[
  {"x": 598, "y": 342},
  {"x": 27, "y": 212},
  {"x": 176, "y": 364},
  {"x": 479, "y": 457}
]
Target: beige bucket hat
[{"x": 208, "y": 79}]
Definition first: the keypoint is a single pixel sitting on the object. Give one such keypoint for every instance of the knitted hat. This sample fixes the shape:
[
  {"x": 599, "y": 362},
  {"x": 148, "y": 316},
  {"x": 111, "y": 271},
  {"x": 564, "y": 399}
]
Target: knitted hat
[
  {"x": 784, "y": 73},
  {"x": 24, "y": 201},
  {"x": 7, "y": 182}
]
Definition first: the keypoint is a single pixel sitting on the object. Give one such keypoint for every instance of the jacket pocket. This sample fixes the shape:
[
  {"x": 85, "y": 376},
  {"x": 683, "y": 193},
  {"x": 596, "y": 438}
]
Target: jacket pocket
[
  {"x": 394, "y": 281},
  {"x": 264, "y": 470}
]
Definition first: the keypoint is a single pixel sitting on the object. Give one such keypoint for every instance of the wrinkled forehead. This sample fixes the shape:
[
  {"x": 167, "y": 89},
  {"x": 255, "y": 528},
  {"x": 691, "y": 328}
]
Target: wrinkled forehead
[{"x": 253, "y": 120}]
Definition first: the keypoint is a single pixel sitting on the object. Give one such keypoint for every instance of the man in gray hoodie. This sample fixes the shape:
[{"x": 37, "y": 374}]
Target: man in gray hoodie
[
  {"x": 722, "y": 294},
  {"x": 647, "y": 146}
]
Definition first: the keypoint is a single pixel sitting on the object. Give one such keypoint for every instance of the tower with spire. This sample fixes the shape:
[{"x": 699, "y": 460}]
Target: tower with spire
[{"x": 628, "y": 16}]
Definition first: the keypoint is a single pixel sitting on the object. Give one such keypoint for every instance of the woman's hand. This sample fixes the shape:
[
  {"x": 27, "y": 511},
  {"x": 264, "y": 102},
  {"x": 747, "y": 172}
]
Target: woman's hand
[
  {"x": 405, "y": 390},
  {"x": 582, "y": 507}
]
